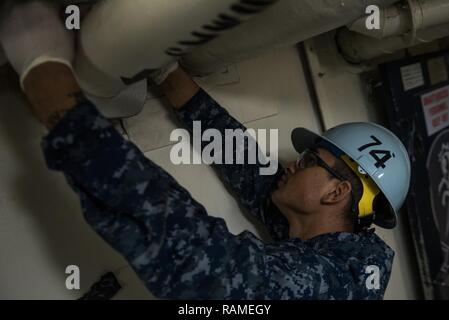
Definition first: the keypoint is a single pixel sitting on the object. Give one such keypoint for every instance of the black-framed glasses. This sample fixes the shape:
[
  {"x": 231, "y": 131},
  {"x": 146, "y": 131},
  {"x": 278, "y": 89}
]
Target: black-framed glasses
[{"x": 309, "y": 158}]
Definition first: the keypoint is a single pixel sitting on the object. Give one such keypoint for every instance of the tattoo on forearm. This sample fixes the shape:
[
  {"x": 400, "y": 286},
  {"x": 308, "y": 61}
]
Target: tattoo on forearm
[{"x": 55, "y": 117}]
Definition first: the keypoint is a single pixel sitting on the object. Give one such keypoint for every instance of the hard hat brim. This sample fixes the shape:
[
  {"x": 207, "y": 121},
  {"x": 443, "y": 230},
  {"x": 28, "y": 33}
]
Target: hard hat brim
[{"x": 303, "y": 139}]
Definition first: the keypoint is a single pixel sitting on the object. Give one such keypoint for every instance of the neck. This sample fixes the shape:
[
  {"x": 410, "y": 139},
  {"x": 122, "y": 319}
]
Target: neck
[{"x": 307, "y": 226}]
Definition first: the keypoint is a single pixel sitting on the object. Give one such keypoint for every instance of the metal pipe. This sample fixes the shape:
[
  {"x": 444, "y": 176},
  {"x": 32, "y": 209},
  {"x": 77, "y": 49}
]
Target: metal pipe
[
  {"x": 285, "y": 23},
  {"x": 357, "y": 48},
  {"x": 405, "y": 16}
]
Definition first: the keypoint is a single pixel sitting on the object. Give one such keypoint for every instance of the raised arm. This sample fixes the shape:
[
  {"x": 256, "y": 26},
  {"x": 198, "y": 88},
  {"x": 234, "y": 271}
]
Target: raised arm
[
  {"x": 250, "y": 187},
  {"x": 175, "y": 247},
  {"x": 167, "y": 237}
]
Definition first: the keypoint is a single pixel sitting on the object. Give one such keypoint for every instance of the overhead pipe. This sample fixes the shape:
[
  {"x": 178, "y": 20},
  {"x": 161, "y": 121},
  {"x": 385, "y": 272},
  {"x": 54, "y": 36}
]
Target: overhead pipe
[
  {"x": 405, "y": 16},
  {"x": 122, "y": 42},
  {"x": 285, "y": 23},
  {"x": 357, "y": 48}
]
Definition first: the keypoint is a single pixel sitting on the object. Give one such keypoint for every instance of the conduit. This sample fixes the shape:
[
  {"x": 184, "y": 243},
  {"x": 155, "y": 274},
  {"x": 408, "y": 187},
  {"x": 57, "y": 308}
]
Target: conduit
[
  {"x": 357, "y": 48},
  {"x": 405, "y": 16},
  {"x": 285, "y": 23},
  {"x": 403, "y": 25}
]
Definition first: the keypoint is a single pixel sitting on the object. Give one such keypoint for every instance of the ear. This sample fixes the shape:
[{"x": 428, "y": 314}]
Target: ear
[{"x": 338, "y": 192}]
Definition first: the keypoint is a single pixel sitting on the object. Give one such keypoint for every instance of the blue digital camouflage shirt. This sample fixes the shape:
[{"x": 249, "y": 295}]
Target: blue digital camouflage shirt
[{"x": 176, "y": 248}]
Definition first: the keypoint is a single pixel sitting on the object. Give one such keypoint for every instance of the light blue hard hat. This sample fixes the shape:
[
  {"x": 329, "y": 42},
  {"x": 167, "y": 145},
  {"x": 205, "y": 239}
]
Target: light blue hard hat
[{"x": 379, "y": 153}]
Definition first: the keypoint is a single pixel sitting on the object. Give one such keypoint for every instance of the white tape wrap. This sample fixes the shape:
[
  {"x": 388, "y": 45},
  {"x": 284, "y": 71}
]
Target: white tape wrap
[{"x": 128, "y": 40}]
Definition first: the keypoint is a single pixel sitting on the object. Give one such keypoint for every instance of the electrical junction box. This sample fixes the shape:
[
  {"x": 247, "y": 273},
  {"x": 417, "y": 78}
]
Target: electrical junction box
[{"x": 416, "y": 93}]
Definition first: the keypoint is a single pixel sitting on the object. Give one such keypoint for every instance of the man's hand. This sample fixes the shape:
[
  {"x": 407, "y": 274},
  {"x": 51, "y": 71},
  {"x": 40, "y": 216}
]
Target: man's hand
[
  {"x": 179, "y": 87},
  {"x": 53, "y": 91},
  {"x": 41, "y": 50}
]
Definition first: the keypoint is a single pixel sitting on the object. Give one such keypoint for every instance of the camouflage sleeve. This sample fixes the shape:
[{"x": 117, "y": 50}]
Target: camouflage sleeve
[
  {"x": 168, "y": 238},
  {"x": 252, "y": 189}
]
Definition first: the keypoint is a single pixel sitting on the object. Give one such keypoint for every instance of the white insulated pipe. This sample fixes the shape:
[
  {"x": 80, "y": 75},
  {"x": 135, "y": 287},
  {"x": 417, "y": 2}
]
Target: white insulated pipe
[
  {"x": 357, "y": 48},
  {"x": 405, "y": 16},
  {"x": 394, "y": 20},
  {"x": 285, "y": 23},
  {"x": 123, "y": 41}
]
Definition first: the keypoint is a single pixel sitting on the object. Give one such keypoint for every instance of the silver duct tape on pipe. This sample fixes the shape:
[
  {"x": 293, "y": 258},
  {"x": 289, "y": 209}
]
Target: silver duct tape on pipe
[
  {"x": 357, "y": 48},
  {"x": 397, "y": 19},
  {"x": 285, "y": 23},
  {"x": 124, "y": 41}
]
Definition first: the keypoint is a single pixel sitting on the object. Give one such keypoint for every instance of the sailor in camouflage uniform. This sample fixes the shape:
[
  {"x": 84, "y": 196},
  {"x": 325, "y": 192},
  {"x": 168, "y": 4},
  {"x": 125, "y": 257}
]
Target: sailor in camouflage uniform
[{"x": 180, "y": 251}]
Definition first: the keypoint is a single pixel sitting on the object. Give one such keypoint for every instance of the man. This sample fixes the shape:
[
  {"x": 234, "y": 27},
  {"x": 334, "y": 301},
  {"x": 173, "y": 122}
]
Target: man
[{"x": 318, "y": 210}]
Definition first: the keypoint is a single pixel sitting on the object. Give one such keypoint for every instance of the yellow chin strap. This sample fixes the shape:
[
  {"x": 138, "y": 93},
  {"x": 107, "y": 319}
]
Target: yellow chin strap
[{"x": 370, "y": 190}]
